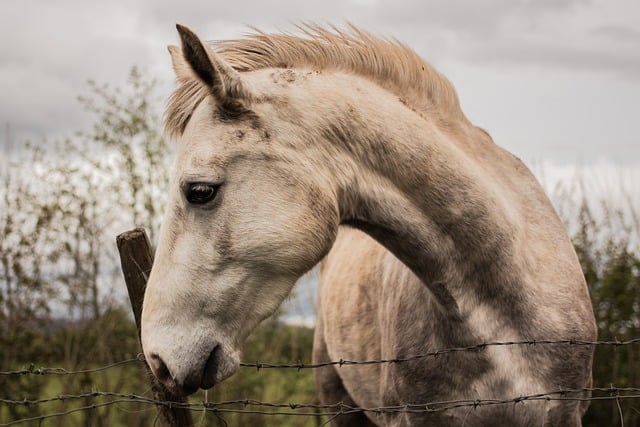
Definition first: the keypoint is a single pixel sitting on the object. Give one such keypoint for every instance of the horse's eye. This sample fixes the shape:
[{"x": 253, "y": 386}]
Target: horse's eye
[{"x": 200, "y": 193}]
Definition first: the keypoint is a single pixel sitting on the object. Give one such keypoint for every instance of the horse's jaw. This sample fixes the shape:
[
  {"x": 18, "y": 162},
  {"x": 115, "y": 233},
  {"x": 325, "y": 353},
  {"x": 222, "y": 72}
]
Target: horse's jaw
[{"x": 193, "y": 326}]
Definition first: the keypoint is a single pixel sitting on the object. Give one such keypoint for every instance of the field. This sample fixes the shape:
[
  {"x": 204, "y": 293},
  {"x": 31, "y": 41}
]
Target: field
[{"x": 114, "y": 395}]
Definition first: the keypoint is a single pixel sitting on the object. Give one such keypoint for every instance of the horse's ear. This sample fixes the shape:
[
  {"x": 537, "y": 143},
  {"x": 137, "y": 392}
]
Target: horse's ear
[
  {"x": 180, "y": 66},
  {"x": 195, "y": 58}
]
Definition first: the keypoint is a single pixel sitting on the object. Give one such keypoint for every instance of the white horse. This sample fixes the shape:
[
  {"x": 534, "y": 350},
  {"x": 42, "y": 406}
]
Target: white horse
[{"x": 285, "y": 139}]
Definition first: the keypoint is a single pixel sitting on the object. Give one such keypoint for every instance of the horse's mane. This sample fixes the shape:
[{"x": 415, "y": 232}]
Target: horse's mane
[{"x": 389, "y": 63}]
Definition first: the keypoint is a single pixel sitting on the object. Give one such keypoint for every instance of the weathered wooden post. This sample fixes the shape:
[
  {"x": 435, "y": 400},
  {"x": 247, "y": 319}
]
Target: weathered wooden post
[{"x": 136, "y": 259}]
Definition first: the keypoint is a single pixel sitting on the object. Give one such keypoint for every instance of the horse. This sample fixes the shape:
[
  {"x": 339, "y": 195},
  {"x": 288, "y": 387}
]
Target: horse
[{"x": 345, "y": 149}]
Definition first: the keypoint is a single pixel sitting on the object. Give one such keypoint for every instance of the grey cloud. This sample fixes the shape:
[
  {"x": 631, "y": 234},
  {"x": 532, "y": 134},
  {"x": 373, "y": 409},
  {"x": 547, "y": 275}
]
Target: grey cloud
[
  {"x": 618, "y": 33},
  {"x": 201, "y": 15},
  {"x": 45, "y": 64},
  {"x": 580, "y": 57},
  {"x": 547, "y": 34},
  {"x": 467, "y": 17}
]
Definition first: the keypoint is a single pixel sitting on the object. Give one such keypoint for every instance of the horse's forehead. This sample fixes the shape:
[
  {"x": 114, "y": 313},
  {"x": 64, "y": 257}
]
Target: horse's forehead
[
  {"x": 206, "y": 130},
  {"x": 209, "y": 138},
  {"x": 214, "y": 145}
]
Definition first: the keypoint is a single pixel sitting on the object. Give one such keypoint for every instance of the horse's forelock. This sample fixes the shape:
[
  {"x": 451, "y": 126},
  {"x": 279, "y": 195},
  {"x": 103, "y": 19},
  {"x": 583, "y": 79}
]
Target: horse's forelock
[{"x": 182, "y": 103}]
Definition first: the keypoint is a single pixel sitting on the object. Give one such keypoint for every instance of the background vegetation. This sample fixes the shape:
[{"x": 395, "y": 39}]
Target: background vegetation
[{"x": 62, "y": 296}]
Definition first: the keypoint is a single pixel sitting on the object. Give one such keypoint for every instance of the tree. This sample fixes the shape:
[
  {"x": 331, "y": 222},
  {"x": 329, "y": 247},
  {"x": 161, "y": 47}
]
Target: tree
[
  {"x": 604, "y": 242},
  {"x": 63, "y": 204},
  {"x": 128, "y": 126}
]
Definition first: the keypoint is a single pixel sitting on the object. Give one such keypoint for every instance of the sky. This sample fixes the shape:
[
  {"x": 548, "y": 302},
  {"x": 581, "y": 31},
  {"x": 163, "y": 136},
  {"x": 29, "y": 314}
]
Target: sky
[
  {"x": 553, "y": 81},
  {"x": 556, "y": 82}
]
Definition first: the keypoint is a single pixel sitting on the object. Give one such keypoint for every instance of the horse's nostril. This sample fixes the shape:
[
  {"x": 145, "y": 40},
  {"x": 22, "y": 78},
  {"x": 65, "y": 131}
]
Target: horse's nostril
[{"x": 159, "y": 368}]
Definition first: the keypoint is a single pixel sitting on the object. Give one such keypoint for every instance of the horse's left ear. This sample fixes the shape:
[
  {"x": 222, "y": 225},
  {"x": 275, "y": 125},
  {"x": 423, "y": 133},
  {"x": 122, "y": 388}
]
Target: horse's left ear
[{"x": 224, "y": 82}]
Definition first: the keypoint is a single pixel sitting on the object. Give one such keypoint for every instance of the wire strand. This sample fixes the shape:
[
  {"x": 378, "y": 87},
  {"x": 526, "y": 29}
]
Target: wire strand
[{"x": 341, "y": 362}]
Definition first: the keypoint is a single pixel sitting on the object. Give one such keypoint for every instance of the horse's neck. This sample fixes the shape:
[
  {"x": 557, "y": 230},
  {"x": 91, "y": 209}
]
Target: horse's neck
[{"x": 417, "y": 192}]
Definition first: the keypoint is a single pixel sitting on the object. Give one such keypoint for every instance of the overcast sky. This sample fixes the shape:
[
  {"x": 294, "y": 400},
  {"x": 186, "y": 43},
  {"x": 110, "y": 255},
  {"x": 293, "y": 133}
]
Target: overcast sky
[{"x": 551, "y": 80}]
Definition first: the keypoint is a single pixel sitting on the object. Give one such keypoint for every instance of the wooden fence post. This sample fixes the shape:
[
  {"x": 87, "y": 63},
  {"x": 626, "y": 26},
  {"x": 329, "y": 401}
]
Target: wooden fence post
[{"x": 136, "y": 258}]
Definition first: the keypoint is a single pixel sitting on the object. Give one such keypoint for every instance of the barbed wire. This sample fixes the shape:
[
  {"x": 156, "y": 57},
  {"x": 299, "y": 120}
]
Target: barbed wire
[
  {"x": 64, "y": 413},
  {"x": 341, "y": 362},
  {"x": 435, "y": 353},
  {"x": 32, "y": 370},
  {"x": 250, "y": 406}
]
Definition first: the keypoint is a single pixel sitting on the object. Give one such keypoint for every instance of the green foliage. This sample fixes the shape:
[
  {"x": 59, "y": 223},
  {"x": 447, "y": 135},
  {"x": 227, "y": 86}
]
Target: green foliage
[
  {"x": 612, "y": 271},
  {"x": 87, "y": 344},
  {"x": 113, "y": 338}
]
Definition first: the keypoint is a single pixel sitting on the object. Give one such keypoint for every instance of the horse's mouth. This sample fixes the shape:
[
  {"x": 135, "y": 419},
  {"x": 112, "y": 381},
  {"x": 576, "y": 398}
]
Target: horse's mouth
[
  {"x": 205, "y": 377},
  {"x": 210, "y": 372}
]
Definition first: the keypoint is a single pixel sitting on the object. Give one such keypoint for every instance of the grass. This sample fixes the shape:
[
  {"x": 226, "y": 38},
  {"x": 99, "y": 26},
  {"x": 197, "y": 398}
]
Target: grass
[{"x": 273, "y": 342}]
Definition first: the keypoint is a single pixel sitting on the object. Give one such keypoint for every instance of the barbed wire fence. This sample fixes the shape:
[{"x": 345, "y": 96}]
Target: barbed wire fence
[
  {"x": 324, "y": 411},
  {"x": 136, "y": 258}
]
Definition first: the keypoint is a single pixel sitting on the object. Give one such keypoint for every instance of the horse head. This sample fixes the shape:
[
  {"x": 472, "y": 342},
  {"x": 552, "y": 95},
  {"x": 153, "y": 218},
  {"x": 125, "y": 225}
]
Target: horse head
[{"x": 245, "y": 220}]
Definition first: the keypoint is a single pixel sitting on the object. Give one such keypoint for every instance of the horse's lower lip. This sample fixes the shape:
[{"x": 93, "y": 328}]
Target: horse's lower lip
[
  {"x": 189, "y": 389},
  {"x": 210, "y": 371},
  {"x": 204, "y": 377},
  {"x": 190, "y": 385}
]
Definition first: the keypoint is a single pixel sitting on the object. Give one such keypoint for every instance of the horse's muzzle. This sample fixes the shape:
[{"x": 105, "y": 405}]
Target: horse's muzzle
[{"x": 202, "y": 377}]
